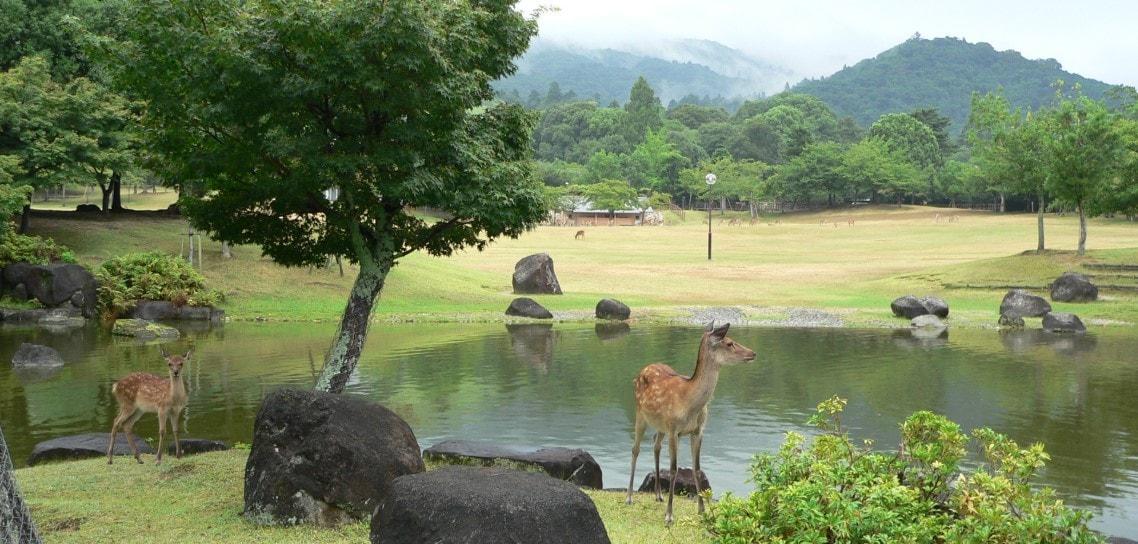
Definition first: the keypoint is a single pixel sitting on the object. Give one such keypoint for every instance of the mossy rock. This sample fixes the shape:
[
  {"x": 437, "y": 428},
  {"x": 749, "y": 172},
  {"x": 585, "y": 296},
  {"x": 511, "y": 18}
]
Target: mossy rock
[{"x": 143, "y": 329}]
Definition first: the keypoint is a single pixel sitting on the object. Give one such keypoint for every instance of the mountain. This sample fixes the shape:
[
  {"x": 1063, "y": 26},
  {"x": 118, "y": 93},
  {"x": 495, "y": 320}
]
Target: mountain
[
  {"x": 941, "y": 73},
  {"x": 674, "y": 69}
]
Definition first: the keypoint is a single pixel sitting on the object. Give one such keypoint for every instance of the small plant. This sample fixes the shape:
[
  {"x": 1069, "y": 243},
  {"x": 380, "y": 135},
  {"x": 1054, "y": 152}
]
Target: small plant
[
  {"x": 125, "y": 280},
  {"x": 831, "y": 490},
  {"x": 19, "y": 248}
]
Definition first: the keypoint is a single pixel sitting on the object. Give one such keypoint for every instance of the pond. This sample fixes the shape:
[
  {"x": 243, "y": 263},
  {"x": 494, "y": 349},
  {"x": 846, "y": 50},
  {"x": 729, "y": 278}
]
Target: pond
[{"x": 571, "y": 385}]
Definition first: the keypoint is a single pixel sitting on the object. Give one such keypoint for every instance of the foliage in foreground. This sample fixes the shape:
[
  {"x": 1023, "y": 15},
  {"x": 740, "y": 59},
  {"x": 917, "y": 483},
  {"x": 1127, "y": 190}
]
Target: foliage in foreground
[
  {"x": 18, "y": 248},
  {"x": 125, "y": 280},
  {"x": 831, "y": 490}
]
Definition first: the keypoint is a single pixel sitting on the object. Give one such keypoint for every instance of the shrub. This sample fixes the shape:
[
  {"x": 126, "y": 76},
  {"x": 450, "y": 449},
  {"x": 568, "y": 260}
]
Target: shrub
[
  {"x": 129, "y": 278},
  {"x": 832, "y": 490},
  {"x": 19, "y": 248}
]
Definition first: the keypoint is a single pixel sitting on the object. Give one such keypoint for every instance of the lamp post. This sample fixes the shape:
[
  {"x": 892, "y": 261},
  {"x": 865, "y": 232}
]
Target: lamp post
[{"x": 710, "y": 181}]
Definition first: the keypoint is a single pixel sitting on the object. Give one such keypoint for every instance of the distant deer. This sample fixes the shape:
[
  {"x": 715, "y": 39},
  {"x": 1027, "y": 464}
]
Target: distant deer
[
  {"x": 580, "y": 234},
  {"x": 676, "y": 405},
  {"x": 850, "y": 221},
  {"x": 141, "y": 392}
]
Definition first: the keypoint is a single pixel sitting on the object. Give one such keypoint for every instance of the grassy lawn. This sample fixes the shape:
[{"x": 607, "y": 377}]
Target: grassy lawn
[
  {"x": 199, "y": 499},
  {"x": 802, "y": 261}
]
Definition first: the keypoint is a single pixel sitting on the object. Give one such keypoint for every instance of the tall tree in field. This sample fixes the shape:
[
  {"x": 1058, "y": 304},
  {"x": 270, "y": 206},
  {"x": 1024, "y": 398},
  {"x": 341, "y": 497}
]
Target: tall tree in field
[
  {"x": 644, "y": 109},
  {"x": 278, "y": 105},
  {"x": 1085, "y": 151}
]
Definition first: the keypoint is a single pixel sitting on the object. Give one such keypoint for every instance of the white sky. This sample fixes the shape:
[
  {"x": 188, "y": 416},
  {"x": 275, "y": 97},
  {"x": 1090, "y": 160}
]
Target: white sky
[{"x": 1097, "y": 39}]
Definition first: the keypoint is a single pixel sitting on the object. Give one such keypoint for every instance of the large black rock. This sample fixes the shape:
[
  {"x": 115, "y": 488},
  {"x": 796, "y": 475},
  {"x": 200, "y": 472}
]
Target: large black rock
[
  {"x": 908, "y": 307},
  {"x": 527, "y": 307},
  {"x": 324, "y": 458},
  {"x": 161, "y": 310},
  {"x": 534, "y": 275},
  {"x": 608, "y": 308},
  {"x": 1020, "y": 303},
  {"x": 476, "y": 505},
  {"x": 1072, "y": 287},
  {"x": 572, "y": 465},
  {"x": 1062, "y": 322},
  {"x": 936, "y": 306},
  {"x": 53, "y": 285},
  {"x": 685, "y": 482},
  {"x": 35, "y": 355},
  {"x": 83, "y": 446}
]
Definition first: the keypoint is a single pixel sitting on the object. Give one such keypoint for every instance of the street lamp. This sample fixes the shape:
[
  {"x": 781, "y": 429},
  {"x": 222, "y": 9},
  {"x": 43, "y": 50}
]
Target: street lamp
[{"x": 710, "y": 181}]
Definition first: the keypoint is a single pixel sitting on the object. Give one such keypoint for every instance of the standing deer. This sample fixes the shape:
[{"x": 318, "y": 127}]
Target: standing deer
[
  {"x": 676, "y": 405},
  {"x": 141, "y": 392}
]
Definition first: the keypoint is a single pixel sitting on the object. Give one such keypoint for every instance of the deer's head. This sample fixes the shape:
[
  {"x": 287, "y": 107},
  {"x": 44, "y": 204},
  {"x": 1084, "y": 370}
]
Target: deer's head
[
  {"x": 721, "y": 350},
  {"x": 175, "y": 362}
]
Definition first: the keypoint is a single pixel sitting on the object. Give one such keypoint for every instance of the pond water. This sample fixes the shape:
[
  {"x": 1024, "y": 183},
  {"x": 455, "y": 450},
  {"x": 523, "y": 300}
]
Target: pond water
[{"x": 571, "y": 385}]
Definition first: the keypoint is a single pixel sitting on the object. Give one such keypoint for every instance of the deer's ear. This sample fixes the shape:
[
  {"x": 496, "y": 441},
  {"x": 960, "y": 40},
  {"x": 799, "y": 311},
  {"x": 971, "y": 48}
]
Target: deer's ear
[
  {"x": 188, "y": 353},
  {"x": 710, "y": 326},
  {"x": 721, "y": 332}
]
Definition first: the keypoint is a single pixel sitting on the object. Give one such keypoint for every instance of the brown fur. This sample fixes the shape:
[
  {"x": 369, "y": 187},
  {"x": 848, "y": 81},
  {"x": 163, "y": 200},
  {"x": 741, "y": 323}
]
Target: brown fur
[
  {"x": 580, "y": 234},
  {"x": 139, "y": 393},
  {"x": 676, "y": 405}
]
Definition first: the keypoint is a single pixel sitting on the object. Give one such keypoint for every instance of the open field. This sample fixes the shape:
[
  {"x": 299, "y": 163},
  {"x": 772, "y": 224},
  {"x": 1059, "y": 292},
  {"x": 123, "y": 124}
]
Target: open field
[
  {"x": 814, "y": 260},
  {"x": 159, "y": 199},
  {"x": 199, "y": 499}
]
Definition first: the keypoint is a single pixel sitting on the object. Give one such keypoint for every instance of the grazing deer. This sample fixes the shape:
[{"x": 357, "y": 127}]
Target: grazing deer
[
  {"x": 141, "y": 392},
  {"x": 676, "y": 405},
  {"x": 580, "y": 234}
]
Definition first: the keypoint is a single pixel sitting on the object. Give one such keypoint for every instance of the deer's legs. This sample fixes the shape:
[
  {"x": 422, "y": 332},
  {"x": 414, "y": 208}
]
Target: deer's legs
[
  {"x": 119, "y": 420},
  {"x": 637, "y": 434},
  {"x": 696, "y": 443},
  {"x": 128, "y": 428},
  {"x": 672, "y": 438},
  {"x": 174, "y": 427},
  {"x": 162, "y": 415},
  {"x": 656, "y": 450}
]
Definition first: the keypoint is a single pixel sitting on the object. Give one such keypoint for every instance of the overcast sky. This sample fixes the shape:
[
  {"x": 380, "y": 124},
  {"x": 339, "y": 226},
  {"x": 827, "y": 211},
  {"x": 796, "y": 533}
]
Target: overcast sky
[{"x": 1097, "y": 39}]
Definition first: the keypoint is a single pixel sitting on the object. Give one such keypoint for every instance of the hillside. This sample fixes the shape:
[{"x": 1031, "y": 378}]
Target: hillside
[
  {"x": 675, "y": 70},
  {"x": 940, "y": 73}
]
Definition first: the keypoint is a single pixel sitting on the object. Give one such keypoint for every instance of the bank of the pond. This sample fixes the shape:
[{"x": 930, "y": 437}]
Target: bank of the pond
[
  {"x": 803, "y": 271},
  {"x": 199, "y": 499}
]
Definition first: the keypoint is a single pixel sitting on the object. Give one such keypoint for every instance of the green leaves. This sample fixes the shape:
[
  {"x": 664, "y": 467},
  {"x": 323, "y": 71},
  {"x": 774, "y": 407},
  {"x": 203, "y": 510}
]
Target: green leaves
[
  {"x": 126, "y": 279},
  {"x": 829, "y": 490}
]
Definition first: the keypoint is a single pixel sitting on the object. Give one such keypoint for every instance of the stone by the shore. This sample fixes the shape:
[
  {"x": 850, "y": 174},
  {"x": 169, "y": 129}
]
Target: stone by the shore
[
  {"x": 685, "y": 482},
  {"x": 142, "y": 329},
  {"x": 35, "y": 355},
  {"x": 83, "y": 446},
  {"x": 476, "y": 505},
  {"x": 191, "y": 446},
  {"x": 160, "y": 310},
  {"x": 1011, "y": 321},
  {"x": 1073, "y": 287},
  {"x": 323, "y": 458},
  {"x": 56, "y": 285},
  {"x": 935, "y": 305},
  {"x": 908, "y": 307},
  {"x": 608, "y": 308},
  {"x": 1020, "y": 303},
  {"x": 533, "y": 275},
  {"x": 572, "y": 465},
  {"x": 528, "y": 307},
  {"x": 927, "y": 321},
  {"x": 1062, "y": 322}
]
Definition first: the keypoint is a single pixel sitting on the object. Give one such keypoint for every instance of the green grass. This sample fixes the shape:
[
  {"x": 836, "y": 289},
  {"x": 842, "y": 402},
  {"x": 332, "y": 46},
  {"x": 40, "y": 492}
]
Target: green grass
[
  {"x": 199, "y": 499},
  {"x": 803, "y": 261}
]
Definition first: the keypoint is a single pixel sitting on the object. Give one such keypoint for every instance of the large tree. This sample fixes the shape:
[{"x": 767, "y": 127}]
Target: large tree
[
  {"x": 318, "y": 126},
  {"x": 1085, "y": 151}
]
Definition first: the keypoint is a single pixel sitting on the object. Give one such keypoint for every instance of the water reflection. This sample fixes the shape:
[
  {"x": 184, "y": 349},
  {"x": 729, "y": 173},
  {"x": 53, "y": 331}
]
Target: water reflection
[
  {"x": 571, "y": 385},
  {"x": 611, "y": 330},
  {"x": 920, "y": 338},
  {"x": 1025, "y": 340}
]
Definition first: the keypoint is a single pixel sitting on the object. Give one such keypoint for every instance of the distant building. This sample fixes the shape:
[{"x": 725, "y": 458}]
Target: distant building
[{"x": 584, "y": 214}]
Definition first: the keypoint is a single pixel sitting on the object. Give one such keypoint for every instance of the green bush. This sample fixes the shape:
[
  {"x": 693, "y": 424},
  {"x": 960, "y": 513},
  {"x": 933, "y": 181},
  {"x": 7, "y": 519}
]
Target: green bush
[
  {"x": 18, "y": 248},
  {"x": 129, "y": 278},
  {"x": 832, "y": 490}
]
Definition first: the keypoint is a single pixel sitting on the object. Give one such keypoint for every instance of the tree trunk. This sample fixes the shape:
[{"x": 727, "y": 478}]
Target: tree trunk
[
  {"x": 1082, "y": 230},
  {"x": 1039, "y": 222},
  {"x": 25, "y": 217},
  {"x": 226, "y": 253},
  {"x": 116, "y": 191},
  {"x": 722, "y": 205},
  {"x": 1003, "y": 203},
  {"x": 349, "y": 340},
  {"x": 106, "y": 190}
]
